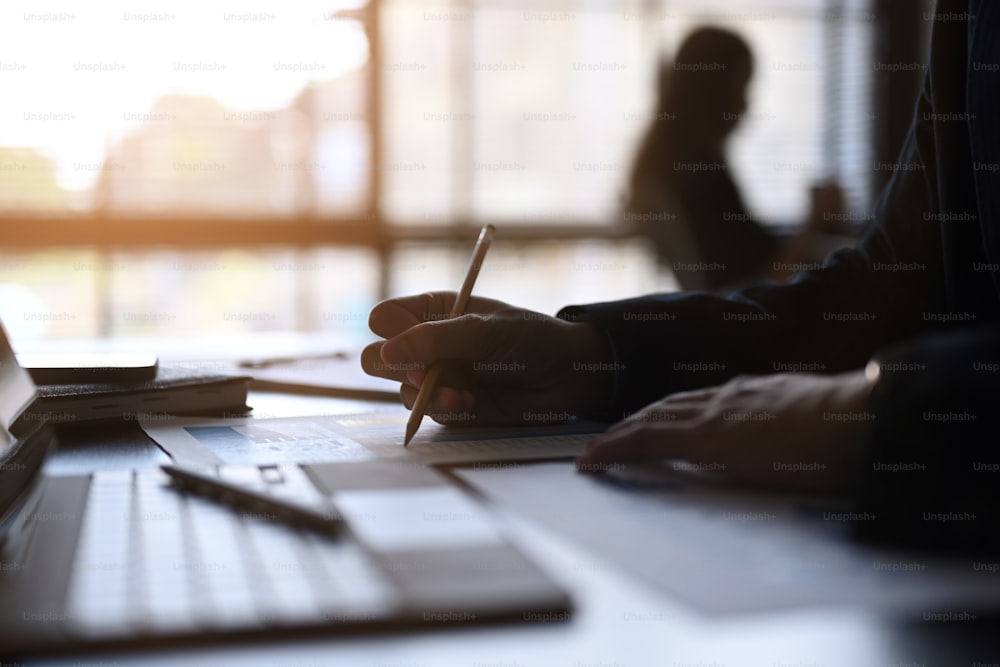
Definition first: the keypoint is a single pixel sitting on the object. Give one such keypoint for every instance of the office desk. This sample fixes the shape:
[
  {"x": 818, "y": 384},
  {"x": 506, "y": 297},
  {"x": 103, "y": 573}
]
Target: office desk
[{"x": 617, "y": 622}]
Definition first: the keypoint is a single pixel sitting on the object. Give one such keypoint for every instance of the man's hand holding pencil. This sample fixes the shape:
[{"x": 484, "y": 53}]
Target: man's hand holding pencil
[{"x": 499, "y": 364}]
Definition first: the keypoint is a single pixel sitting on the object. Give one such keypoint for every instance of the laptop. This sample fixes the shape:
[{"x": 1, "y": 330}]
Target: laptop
[{"x": 124, "y": 559}]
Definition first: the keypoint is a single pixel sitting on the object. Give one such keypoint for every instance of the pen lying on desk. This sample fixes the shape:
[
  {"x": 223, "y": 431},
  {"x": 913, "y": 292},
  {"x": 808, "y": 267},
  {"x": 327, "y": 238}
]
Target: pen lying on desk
[{"x": 248, "y": 500}]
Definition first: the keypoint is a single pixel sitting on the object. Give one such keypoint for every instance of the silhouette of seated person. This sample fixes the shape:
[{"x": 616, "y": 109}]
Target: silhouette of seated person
[{"x": 682, "y": 195}]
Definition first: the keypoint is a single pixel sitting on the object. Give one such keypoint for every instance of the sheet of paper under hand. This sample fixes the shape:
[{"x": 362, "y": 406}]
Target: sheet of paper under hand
[
  {"x": 725, "y": 551},
  {"x": 358, "y": 437}
]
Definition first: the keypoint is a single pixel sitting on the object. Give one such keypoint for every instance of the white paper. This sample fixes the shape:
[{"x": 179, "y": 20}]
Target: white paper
[
  {"x": 423, "y": 518},
  {"x": 329, "y": 438},
  {"x": 730, "y": 552},
  {"x": 248, "y": 441}
]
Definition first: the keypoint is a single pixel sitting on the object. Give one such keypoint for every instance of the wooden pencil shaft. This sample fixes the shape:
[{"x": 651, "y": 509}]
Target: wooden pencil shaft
[{"x": 457, "y": 309}]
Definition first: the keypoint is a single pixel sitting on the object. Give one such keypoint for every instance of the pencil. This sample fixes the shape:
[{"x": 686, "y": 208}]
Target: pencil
[{"x": 431, "y": 379}]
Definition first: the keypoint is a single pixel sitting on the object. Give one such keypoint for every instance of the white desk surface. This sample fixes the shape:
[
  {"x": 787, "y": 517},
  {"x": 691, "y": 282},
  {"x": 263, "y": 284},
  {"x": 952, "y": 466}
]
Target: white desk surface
[{"x": 617, "y": 622}]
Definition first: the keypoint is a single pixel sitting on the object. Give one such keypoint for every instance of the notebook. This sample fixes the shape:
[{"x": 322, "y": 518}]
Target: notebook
[
  {"x": 121, "y": 558},
  {"x": 176, "y": 390}
]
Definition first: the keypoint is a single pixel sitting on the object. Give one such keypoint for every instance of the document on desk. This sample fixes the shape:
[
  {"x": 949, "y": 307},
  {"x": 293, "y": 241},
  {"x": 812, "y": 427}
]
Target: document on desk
[
  {"x": 723, "y": 551},
  {"x": 248, "y": 441}
]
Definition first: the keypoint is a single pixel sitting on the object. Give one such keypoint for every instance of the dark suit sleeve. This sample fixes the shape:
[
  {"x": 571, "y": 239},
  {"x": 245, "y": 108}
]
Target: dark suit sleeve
[
  {"x": 828, "y": 320},
  {"x": 930, "y": 479}
]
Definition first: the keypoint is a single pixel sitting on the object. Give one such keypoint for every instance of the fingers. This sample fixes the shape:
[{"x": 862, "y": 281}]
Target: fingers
[
  {"x": 372, "y": 363},
  {"x": 665, "y": 430},
  {"x": 393, "y": 316},
  {"x": 636, "y": 441},
  {"x": 420, "y": 332},
  {"x": 468, "y": 338},
  {"x": 447, "y": 406}
]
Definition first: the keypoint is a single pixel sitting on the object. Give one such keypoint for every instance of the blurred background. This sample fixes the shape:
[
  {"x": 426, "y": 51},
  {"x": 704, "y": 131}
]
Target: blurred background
[{"x": 214, "y": 168}]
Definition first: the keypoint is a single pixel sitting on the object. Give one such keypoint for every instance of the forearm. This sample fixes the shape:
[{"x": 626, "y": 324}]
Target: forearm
[
  {"x": 669, "y": 343},
  {"x": 591, "y": 368}
]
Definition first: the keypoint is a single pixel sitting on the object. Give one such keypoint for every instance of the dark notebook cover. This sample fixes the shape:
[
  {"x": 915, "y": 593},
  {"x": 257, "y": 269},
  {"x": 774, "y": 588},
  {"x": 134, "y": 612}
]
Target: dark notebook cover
[{"x": 176, "y": 391}]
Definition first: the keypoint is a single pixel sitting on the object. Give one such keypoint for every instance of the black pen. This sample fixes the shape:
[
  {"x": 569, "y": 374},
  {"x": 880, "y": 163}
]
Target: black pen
[{"x": 248, "y": 500}]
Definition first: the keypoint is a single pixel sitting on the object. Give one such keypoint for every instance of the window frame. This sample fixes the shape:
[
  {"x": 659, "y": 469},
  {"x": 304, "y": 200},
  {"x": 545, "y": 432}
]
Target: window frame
[{"x": 370, "y": 229}]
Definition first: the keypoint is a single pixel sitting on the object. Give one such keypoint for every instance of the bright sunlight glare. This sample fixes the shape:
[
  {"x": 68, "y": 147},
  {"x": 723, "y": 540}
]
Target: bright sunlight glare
[{"x": 107, "y": 63}]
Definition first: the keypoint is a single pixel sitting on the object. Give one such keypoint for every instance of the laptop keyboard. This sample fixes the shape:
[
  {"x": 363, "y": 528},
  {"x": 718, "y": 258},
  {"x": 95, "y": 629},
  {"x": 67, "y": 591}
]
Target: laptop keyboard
[{"x": 153, "y": 560}]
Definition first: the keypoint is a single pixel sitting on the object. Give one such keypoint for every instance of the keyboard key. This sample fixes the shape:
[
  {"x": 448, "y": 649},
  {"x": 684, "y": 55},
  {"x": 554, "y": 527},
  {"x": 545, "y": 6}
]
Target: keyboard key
[{"x": 152, "y": 560}]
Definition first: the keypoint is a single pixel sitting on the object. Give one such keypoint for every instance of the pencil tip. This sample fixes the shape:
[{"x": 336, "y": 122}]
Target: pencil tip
[{"x": 411, "y": 430}]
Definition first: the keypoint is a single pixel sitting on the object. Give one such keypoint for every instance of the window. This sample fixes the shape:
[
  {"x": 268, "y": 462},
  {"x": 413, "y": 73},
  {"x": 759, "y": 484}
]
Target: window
[
  {"x": 191, "y": 108},
  {"x": 529, "y": 111},
  {"x": 204, "y": 158}
]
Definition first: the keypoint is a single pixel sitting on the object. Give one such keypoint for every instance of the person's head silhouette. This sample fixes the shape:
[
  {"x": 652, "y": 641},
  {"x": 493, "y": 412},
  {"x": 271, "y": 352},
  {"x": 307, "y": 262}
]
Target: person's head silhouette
[{"x": 703, "y": 92}]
